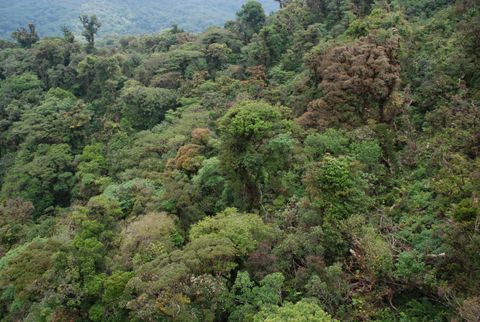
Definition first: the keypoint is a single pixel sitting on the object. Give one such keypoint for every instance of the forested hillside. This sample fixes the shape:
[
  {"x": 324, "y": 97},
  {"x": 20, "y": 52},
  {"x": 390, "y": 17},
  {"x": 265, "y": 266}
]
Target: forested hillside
[
  {"x": 119, "y": 17},
  {"x": 317, "y": 164}
]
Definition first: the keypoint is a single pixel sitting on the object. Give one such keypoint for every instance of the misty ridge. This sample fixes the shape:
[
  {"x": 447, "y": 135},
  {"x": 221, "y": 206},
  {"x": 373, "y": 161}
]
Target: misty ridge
[{"x": 119, "y": 17}]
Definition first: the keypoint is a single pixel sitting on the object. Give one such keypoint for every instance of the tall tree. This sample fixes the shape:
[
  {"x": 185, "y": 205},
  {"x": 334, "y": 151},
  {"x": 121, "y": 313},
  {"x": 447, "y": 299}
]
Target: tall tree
[
  {"x": 251, "y": 19},
  {"x": 283, "y": 3},
  {"x": 90, "y": 28},
  {"x": 68, "y": 34},
  {"x": 256, "y": 148},
  {"x": 26, "y": 37}
]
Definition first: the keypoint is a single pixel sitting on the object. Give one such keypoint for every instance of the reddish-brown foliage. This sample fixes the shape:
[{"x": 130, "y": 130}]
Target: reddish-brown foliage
[
  {"x": 359, "y": 82},
  {"x": 201, "y": 136}
]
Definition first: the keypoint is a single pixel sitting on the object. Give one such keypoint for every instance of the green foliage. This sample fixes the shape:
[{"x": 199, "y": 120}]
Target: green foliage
[
  {"x": 134, "y": 196},
  {"x": 59, "y": 119},
  {"x": 318, "y": 163},
  {"x": 98, "y": 76},
  {"x": 332, "y": 141},
  {"x": 45, "y": 178},
  {"x": 16, "y": 215},
  {"x": 409, "y": 265},
  {"x": 250, "y": 19},
  {"x": 249, "y": 298},
  {"x": 336, "y": 187},
  {"x": 243, "y": 230},
  {"x": 26, "y": 38},
  {"x": 18, "y": 93},
  {"x": 211, "y": 182},
  {"x": 331, "y": 288},
  {"x": 145, "y": 107},
  {"x": 24, "y": 87},
  {"x": 368, "y": 152},
  {"x": 376, "y": 252},
  {"x": 302, "y": 311},
  {"x": 90, "y": 28},
  {"x": 26, "y": 274},
  {"x": 146, "y": 238},
  {"x": 256, "y": 144},
  {"x": 91, "y": 170}
]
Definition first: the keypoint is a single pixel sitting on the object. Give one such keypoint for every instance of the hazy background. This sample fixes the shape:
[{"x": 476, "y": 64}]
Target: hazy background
[{"x": 118, "y": 16}]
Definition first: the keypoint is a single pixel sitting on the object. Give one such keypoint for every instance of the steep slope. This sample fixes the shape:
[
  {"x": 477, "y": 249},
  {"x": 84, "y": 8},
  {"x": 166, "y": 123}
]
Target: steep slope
[{"x": 318, "y": 164}]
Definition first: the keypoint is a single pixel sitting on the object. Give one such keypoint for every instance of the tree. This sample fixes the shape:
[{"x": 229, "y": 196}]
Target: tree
[
  {"x": 360, "y": 82},
  {"x": 60, "y": 118},
  {"x": 119, "y": 168},
  {"x": 362, "y": 8},
  {"x": 189, "y": 158},
  {"x": 186, "y": 60},
  {"x": 283, "y": 3},
  {"x": 25, "y": 88},
  {"x": 144, "y": 107},
  {"x": 243, "y": 230},
  {"x": 15, "y": 217},
  {"x": 27, "y": 277},
  {"x": 336, "y": 187},
  {"x": 18, "y": 95},
  {"x": 91, "y": 172},
  {"x": 250, "y": 298},
  {"x": 331, "y": 141},
  {"x": 147, "y": 237},
  {"x": 256, "y": 147},
  {"x": 44, "y": 177},
  {"x": 303, "y": 311},
  {"x": 68, "y": 35},
  {"x": 50, "y": 57},
  {"x": 172, "y": 283},
  {"x": 330, "y": 287},
  {"x": 250, "y": 19},
  {"x": 211, "y": 184},
  {"x": 90, "y": 29},
  {"x": 217, "y": 56},
  {"x": 136, "y": 196},
  {"x": 111, "y": 306},
  {"x": 26, "y": 38},
  {"x": 99, "y": 76}
]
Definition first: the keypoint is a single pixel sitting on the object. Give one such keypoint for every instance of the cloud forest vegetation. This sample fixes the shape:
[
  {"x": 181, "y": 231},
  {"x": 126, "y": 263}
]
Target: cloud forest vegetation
[{"x": 320, "y": 163}]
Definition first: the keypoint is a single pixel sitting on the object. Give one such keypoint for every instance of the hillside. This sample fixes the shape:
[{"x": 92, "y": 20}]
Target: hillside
[
  {"x": 318, "y": 164},
  {"x": 119, "y": 16}
]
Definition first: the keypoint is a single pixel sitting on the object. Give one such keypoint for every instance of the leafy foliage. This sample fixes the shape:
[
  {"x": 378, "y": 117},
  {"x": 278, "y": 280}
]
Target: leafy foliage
[{"x": 319, "y": 163}]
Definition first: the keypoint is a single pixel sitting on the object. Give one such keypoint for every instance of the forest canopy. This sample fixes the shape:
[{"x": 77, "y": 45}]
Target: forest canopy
[{"x": 318, "y": 163}]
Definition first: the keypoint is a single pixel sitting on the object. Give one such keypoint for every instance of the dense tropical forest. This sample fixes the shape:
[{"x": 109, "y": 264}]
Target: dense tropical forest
[
  {"x": 119, "y": 16},
  {"x": 320, "y": 163}
]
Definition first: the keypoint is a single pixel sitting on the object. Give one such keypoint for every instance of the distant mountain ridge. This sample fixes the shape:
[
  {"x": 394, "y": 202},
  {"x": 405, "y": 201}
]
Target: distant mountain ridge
[{"x": 119, "y": 16}]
